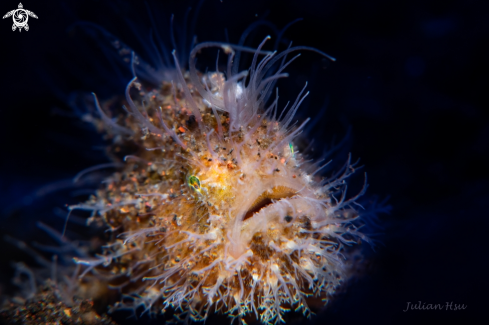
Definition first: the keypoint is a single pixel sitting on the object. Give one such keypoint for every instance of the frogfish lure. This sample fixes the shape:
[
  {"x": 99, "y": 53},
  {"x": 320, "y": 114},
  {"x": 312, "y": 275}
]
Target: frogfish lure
[{"x": 219, "y": 212}]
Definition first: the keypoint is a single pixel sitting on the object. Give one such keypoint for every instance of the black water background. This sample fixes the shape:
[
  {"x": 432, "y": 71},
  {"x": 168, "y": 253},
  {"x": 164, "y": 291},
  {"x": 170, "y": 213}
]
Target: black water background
[{"x": 410, "y": 81}]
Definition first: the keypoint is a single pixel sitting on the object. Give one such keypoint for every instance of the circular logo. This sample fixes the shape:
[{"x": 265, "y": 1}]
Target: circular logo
[{"x": 20, "y": 17}]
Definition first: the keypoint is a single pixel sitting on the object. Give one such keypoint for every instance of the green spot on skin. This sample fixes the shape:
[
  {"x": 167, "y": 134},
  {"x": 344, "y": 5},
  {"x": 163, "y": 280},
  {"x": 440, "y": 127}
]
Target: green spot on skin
[
  {"x": 194, "y": 182},
  {"x": 291, "y": 146}
]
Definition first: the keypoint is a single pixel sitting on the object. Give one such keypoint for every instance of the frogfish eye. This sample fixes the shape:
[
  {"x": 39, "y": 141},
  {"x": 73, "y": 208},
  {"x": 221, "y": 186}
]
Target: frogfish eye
[{"x": 194, "y": 182}]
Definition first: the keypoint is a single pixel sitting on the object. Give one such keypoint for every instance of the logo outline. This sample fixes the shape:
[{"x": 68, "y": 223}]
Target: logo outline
[{"x": 20, "y": 16}]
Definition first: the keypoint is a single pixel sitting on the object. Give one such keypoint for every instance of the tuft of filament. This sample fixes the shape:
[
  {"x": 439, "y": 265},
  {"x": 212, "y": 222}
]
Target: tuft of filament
[{"x": 216, "y": 210}]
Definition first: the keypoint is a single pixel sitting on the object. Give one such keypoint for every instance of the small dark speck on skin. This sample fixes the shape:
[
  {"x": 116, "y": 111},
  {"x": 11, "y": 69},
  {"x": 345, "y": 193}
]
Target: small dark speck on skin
[
  {"x": 288, "y": 218},
  {"x": 191, "y": 122}
]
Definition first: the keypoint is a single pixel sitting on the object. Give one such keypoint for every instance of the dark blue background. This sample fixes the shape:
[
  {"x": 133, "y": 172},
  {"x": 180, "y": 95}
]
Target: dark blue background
[{"x": 410, "y": 81}]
